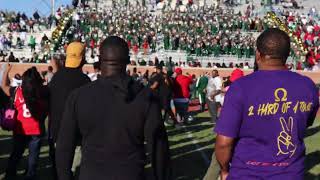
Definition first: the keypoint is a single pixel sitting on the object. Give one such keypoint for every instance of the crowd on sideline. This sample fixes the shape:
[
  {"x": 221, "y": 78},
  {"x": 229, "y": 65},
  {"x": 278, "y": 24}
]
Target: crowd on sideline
[{"x": 116, "y": 117}]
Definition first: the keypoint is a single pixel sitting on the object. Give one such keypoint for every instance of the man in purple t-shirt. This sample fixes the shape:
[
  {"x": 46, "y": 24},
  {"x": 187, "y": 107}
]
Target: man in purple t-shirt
[{"x": 264, "y": 118}]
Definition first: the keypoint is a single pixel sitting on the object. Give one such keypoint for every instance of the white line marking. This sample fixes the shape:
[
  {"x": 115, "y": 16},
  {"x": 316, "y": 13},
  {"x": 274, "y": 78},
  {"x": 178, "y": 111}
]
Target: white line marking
[
  {"x": 198, "y": 148},
  {"x": 4, "y": 139}
]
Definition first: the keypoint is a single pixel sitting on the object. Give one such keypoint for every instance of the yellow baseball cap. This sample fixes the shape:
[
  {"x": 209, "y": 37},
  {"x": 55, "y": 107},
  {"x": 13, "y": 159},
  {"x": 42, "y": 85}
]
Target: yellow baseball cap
[{"x": 75, "y": 53}]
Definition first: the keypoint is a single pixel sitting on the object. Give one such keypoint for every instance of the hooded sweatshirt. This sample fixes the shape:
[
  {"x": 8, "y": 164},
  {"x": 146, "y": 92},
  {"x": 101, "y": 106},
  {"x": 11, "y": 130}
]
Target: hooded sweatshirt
[
  {"x": 114, "y": 116},
  {"x": 181, "y": 87}
]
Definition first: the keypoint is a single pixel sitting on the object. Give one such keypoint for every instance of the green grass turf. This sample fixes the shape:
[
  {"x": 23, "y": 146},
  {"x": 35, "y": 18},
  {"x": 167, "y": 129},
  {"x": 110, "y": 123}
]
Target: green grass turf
[{"x": 191, "y": 149}]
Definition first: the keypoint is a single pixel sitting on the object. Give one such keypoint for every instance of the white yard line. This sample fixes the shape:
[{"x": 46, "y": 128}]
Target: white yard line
[
  {"x": 4, "y": 139},
  {"x": 198, "y": 148}
]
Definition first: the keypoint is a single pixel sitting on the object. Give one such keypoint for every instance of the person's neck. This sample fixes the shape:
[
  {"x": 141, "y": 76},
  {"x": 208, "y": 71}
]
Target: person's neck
[
  {"x": 272, "y": 65},
  {"x": 273, "y": 68},
  {"x": 113, "y": 73},
  {"x": 70, "y": 68}
]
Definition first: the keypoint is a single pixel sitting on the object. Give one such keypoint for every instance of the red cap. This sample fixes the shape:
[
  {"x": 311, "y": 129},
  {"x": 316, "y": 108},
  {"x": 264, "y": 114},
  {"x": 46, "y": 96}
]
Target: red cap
[
  {"x": 236, "y": 74},
  {"x": 178, "y": 71}
]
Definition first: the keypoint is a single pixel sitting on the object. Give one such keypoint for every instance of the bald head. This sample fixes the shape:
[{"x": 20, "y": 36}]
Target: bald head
[
  {"x": 114, "y": 56},
  {"x": 114, "y": 50}
]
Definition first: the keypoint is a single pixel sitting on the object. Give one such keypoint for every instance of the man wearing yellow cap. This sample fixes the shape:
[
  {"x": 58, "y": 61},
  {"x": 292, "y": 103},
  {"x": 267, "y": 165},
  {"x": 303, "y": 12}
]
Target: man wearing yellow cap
[{"x": 62, "y": 84}]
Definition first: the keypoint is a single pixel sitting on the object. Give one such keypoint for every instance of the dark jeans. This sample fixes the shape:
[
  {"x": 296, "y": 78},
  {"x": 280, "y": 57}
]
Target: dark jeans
[
  {"x": 182, "y": 110},
  {"x": 213, "y": 110},
  {"x": 20, "y": 142},
  {"x": 202, "y": 100}
]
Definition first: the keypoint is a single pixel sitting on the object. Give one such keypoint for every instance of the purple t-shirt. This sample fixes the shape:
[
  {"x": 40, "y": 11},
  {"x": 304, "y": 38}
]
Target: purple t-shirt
[{"x": 267, "y": 112}]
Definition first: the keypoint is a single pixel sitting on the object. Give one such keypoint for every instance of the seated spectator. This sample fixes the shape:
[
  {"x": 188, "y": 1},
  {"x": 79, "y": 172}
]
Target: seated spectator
[
  {"x": 11, "y": 57},
  {"x": 246, "y": 66}
]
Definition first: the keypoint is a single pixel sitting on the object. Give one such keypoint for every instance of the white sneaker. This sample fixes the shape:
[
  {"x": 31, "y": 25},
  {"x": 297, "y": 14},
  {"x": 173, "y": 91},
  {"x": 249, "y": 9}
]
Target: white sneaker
[{"x": 190, "y": 119}]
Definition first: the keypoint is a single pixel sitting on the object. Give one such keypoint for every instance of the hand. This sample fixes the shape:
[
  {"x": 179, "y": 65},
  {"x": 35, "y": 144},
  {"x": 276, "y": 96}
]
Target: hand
[
  {"x": 285, "y": 142},
  {"x": 224, "y": 175}
]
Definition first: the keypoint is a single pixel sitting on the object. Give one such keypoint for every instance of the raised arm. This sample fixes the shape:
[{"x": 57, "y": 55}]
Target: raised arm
[{"x": 5, "y": 80}]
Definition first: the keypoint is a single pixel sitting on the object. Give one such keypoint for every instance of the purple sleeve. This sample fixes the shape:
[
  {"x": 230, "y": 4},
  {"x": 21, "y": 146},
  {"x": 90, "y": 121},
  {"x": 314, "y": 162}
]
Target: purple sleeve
[{"x": 229, "y": 122}]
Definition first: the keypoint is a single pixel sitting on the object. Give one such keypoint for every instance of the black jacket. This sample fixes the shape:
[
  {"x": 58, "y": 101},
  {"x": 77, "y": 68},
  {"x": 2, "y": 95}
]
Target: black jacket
[
  {"x": 114, "y": 116},
  {"x": 61, "y": 85}
]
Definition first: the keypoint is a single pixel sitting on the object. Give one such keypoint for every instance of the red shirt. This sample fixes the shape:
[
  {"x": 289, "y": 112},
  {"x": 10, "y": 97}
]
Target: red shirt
[
  {"x": 135, "y": 48},
  {"x": 311, "y": 60},
  {"x": 129, "y": 44},
  {"x": 290, "y": 18},
  {"x": 318, "y": 57},
  {"x": 309, "y": 37},
  {"x": 181, "y": 87},
  {"x": 299, "y": 66},
  {"x": 145, "y": 45},
  {"x": 92, "y": 43},
  {"x": 26, "y": 124}
]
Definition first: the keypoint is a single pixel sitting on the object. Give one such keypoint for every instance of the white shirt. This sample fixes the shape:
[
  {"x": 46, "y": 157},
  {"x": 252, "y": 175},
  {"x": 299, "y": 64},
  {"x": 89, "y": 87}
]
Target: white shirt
[
  {"x": 96, "y": 59},
  {"x": 23, "y": 36},
  {"x": 93, "y": 76},
  {"x": 76, "y": 17},
  {"x": 15, "y": 82},
  {"x": 90, "y": 60},
  {"x": 214, "y": 84}
]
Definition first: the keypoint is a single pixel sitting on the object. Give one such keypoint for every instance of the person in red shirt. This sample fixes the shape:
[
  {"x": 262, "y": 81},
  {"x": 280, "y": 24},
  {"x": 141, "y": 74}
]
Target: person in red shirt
[
  {"x": 31, "y": 104},
  {"x": 299, "y": 66},
  {"x": 145, "y": 46},
  {"x": 181, "y": 94},
  {"x": 92, "y": 45},
  {"x": 129, "y": 44},
  {"x": 311, "y": 57},
  {"x": 135, "y": 49}
]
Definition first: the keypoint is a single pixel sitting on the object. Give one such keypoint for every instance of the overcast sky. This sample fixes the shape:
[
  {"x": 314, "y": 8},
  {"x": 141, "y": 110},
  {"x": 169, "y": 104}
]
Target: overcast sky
[{"x": 29, "y": 6}]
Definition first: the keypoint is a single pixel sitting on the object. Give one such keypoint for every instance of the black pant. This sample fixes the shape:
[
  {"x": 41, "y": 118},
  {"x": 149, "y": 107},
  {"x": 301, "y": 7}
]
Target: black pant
[
  {"x": 52, "y": 156},
  {"x": 20, "y": 142}
]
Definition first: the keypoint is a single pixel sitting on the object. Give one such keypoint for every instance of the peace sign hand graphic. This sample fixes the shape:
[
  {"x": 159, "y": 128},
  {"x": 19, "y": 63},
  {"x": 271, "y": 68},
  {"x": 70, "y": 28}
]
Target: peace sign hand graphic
[{"x": 285, "y": 144}]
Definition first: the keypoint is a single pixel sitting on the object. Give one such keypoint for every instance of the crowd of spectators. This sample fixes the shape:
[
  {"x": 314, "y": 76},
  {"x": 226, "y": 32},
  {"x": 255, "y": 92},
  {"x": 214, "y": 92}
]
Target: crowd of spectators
[
  {"x": 20, "y": 32},
  {"x": 207, "y": 31},
  {"x": 202, "y": 32}
]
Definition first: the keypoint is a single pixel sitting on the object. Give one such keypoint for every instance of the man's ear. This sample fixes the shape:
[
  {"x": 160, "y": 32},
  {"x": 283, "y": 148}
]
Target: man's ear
[{"x": 258, "y": 57}]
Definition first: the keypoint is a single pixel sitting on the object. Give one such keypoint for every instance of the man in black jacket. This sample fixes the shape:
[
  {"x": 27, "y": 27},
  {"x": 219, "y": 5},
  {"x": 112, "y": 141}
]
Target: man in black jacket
[
  {"x": 115, "y": 116},
  {"x": 62, "y": 83}
]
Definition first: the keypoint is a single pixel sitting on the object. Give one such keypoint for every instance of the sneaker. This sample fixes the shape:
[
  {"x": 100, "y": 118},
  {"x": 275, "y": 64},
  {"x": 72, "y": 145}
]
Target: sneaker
[
  {"x": 190, "y": 119},
  {"x": 166, "y": 124}
]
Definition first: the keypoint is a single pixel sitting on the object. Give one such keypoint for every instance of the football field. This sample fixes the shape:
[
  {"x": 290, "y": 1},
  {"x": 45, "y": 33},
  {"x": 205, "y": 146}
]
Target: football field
[{"x": 191, "y": 150}]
